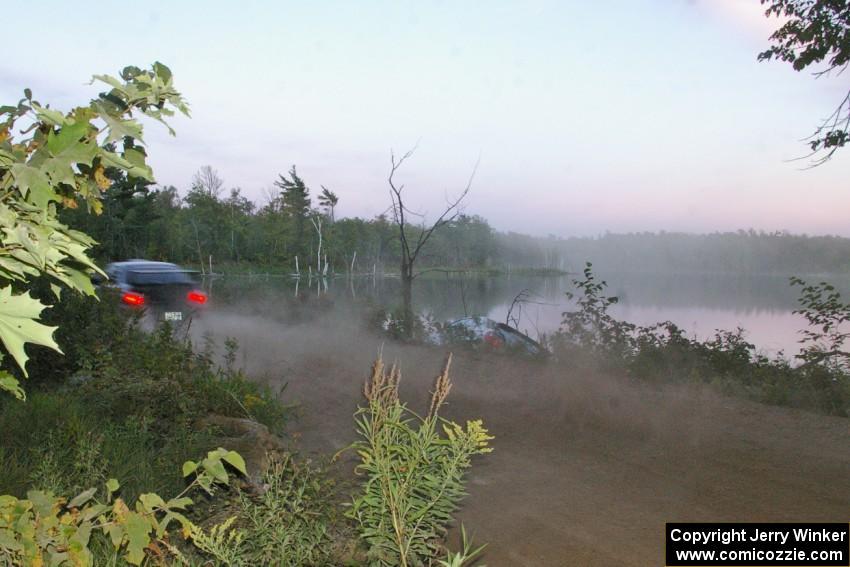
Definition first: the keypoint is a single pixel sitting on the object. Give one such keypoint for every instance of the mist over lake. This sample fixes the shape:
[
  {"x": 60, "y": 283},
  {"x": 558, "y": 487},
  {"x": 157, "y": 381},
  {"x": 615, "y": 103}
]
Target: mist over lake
[{"x": 700, "y": 304}]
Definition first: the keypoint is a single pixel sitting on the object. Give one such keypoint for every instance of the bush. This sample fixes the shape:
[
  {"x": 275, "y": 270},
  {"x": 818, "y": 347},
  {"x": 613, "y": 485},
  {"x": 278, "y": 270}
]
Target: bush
[
  {"x": 413, "y": 474},
  {"x": 45, "y": 529},
  {"x": 662, "y": 352},
  {"x": 131, "y": 398},
  {"x": 293, "y": 522}
]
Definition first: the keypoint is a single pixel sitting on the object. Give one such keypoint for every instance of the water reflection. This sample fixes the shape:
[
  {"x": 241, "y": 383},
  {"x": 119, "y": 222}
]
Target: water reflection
[{"x": 700, "y": 304}]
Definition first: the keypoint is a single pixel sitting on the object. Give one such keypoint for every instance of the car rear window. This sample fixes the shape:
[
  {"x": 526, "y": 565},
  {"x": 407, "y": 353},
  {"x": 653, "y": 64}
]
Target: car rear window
[{"x": 158, "y": 277}]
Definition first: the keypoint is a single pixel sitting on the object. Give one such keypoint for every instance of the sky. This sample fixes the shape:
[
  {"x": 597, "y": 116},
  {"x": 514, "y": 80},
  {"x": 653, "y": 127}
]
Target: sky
[{"x": 584, "y": 117}]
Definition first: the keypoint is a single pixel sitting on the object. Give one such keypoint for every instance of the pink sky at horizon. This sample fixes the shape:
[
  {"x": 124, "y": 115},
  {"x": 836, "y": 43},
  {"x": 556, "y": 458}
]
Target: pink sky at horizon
[{"x": 631, "y": 116}]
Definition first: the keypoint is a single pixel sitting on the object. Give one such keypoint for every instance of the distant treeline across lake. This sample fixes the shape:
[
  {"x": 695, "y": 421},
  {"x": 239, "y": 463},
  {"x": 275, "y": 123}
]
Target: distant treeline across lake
[
  {"x": 741, "y": 252},
  {"x": 207, "y": 223}
]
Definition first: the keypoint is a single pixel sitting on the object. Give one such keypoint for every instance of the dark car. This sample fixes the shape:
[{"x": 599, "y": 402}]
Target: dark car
[
  {"x": 166, "y": 291},
  {"x": 483, "y": 332}
]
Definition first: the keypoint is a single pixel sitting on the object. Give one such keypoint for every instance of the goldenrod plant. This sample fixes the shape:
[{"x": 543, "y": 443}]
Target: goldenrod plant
[
  {"x": 223, "y": 542},
  {"x": 413, "y": 468}
]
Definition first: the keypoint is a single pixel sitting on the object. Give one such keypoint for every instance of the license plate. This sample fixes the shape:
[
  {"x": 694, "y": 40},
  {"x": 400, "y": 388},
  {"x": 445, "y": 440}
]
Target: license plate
[{"x": 173, "y": 315}]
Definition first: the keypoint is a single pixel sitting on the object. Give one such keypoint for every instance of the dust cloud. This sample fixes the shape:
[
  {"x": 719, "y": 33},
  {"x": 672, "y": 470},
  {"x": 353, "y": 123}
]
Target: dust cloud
[{"x": 587, "y": 467}]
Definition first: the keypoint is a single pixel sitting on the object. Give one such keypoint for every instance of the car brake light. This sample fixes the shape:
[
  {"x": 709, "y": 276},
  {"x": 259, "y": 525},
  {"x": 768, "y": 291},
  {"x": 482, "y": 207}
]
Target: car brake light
[
  {"x": 494, "y": 340},
  {"x": 197, "y": 297},
  {"x": 131, "y": 298}
]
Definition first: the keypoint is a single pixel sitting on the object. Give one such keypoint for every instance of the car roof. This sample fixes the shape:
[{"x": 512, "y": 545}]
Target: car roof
[{"x": 146, "y": 265}]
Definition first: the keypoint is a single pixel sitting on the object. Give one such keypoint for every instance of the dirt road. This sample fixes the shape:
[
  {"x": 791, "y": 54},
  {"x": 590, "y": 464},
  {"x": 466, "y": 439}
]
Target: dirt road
[{"x": 586, "y": 469}]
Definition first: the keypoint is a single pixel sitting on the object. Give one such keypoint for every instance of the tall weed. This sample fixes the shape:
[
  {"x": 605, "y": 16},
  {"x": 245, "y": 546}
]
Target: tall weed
[
  {"x": 291, "y": 523},
  {"x": 413, "y": 470}
]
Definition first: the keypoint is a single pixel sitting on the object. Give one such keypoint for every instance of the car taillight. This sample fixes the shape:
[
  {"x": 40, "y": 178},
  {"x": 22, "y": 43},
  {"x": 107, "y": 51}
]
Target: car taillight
[
  {"x": 494, "y": 340},
  {"x": 131, "y": 298},
  {"x": 197, "y": 297}
]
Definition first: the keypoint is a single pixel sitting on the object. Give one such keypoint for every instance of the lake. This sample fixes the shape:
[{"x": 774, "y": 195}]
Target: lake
[{"x": 700, "y": 304}]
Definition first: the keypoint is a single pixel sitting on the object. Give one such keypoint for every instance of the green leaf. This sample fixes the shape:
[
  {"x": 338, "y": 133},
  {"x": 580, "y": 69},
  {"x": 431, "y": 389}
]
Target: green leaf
[
  {"x": 116, "y": 534},
  {"x": 33, "y": 185},
  {"x": 138, "y": 537},
  {"x": 18, "y": 325},
  {"x": 6, "y": 158},
  {"x": 108, "y": 79},
  {"x": 82, "y": 498},
  {"x": 79, "y": 551},
  {"x": 8, "y": 541},
  {"x": 11, "y": 385},
  {"x": 52, "y": 117},
  {"x": 135, "y": 156},
  {"x": 42, "y": 502},
  {"x": 111, "y": 159},
  {"x": 178, "y": 503},
  {"x": 152, "y": 501},
  {"x": 119, "y": 128},
  {"x": 216, "y": 469},
  {"x": 68, "y": 136},
  {"x": 162, "y": 71},
  {"x": 76, "y": 279},
  {"x": 112, "y": 486},
  {"x": 162, "y": 527},
  {"x": 236, "y": 460},
  {"x": 93, "y": 511},
  {"x": 189, "y": 467},
  {"x": 67, "y": 150}
]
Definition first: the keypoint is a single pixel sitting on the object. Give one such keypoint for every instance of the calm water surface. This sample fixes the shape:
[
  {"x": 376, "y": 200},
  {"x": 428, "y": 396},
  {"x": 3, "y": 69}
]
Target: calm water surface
[{"x": 700, "y": 304}]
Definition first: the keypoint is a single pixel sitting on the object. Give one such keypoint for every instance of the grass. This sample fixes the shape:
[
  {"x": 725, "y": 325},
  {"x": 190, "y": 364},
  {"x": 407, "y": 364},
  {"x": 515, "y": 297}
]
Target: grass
[
  {"x": 124, "y": 404},
  {"x": 129, "y": 405},
  {"x": 58, "y": 443}
]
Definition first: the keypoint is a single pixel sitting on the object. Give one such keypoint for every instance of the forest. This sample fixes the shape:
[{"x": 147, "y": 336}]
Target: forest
[{"x": 207, "y": 223}]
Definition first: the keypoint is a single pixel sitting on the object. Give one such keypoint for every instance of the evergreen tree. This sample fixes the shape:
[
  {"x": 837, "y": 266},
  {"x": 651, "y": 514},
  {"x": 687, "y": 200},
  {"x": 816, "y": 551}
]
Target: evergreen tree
[
  {"x": 295, "y": 209},
  {"x": 328, "y": 201}
]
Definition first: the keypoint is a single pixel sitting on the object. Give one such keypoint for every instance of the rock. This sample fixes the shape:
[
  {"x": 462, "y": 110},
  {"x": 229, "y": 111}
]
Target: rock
[{"x": 250, "y": 439}]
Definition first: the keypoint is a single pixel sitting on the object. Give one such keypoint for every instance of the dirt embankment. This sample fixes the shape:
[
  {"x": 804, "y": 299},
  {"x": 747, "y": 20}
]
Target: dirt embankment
[{"x": 586, "y": 469}]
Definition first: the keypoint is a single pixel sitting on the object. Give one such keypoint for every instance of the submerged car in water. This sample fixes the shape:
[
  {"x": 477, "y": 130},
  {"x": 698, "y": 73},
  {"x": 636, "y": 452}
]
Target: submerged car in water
[
  {"x": 165, "y": 291},
  {"x": 482, "y": 332}
]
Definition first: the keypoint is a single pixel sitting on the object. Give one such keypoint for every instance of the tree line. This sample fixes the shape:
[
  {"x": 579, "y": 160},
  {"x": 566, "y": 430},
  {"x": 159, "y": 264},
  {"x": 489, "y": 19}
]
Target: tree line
[
  {"x": 208, "y": 222},
  {"x": 740, "y": 252},
  {"x": 294, "y": 229}
]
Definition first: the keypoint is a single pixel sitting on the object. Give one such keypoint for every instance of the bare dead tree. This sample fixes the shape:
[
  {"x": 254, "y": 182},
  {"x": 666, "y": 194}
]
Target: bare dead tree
[
  {"x": 512, "y": 320},
  {"x": 271, "y": 199},
  {"x": 411, "y": 248},
  {"x": 316, "y": 221},
  {"x": 413, "y": 244},
  {"x": 207, "y": 180}
]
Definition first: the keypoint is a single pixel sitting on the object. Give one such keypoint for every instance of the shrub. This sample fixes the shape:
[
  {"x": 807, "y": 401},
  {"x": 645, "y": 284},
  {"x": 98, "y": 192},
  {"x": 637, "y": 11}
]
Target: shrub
[
  {"x": 413, "y": 473},
  {"x": 590, "y": 331},
  {"x": 827, "y": 315},
  {"x": 45, "y": 529},
  {"x": 134, "y": 399},
  {"x": 662, "y": 352},
  {"x": 291, "y": 523}
]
